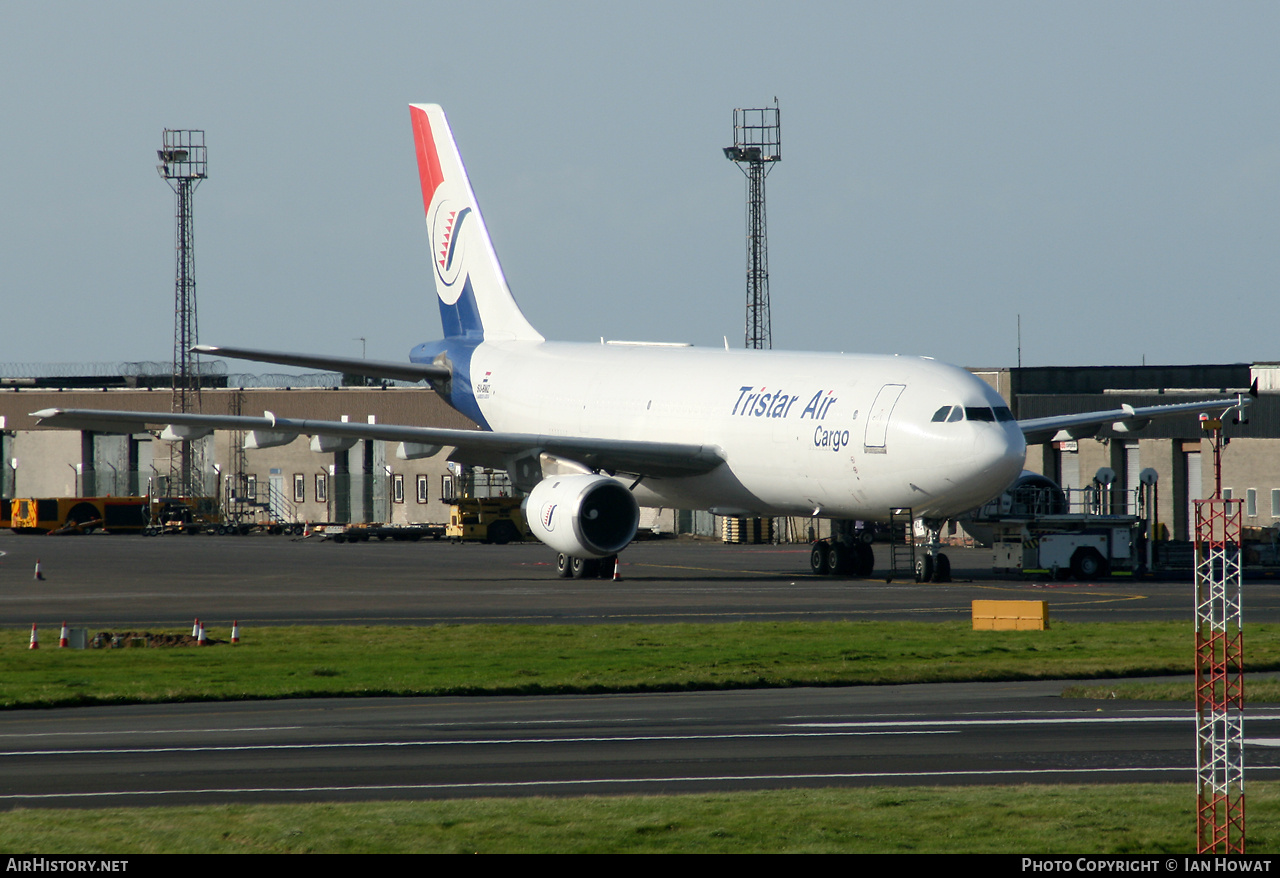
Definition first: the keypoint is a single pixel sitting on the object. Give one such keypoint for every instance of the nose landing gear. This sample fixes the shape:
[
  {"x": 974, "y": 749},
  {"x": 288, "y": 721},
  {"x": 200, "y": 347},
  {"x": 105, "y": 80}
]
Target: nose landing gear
[{"x": 933, "y": 565}]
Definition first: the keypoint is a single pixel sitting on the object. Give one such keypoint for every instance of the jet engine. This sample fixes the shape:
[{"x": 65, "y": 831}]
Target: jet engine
[{"x": 582, "y": 515}]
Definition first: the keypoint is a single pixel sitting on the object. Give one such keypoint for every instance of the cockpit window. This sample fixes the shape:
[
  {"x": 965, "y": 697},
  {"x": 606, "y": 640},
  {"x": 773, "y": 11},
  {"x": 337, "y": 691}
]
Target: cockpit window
[{"x": 952, "y": 413}]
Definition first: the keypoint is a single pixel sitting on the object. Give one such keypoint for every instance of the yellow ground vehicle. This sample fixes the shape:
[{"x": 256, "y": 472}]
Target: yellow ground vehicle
[
  {"x": 78, "y": 514},
  {"x": 487, "y": 519}
]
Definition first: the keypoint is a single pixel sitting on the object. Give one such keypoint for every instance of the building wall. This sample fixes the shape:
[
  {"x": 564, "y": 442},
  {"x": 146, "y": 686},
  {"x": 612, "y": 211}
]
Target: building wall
[
  {"x": 1167, "y": 445},
  {"x": 46, "y": 463},
  {"x": 69, "y": 463}
]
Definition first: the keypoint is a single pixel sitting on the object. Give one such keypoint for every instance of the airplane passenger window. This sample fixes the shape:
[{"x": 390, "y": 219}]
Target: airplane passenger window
[
  {"x": 977, "y": 413},
  {"x": 941, "y": 414}
]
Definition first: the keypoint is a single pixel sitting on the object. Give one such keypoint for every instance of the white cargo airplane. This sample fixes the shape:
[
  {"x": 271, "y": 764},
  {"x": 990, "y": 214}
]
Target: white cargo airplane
[{"x": 594, "y": 431}]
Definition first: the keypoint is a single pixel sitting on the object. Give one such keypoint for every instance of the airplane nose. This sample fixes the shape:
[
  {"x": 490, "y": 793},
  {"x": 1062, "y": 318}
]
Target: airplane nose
[{"x": 999, "y": 455}]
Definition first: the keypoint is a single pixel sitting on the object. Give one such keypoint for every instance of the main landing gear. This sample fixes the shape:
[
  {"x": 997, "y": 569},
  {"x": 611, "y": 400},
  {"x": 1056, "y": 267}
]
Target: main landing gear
[
  {"x": 568, "y": 567},
  {"x": 836, "y": 558}
]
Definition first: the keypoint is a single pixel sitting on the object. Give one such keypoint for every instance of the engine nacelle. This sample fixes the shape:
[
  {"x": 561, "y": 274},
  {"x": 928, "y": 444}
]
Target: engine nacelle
[{"x": 583, "y": 515}]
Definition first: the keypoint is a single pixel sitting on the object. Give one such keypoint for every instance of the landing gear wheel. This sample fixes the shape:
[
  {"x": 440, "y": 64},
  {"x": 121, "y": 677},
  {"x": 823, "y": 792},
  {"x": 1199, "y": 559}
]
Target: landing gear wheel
[
  {"x": 584, "y": 568},
  {"x": 942, "y": 571},
  {"x": 864, "y": 560},
  {"x": 563, "y": 566},
  {"x": 924, "y": 568},
  {"x": 839, "y": 560},
  {"x": 818, "y": 559}
]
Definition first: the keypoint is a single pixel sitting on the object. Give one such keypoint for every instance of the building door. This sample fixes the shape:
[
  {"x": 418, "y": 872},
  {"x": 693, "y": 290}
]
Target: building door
[
  {"x": 1195, "y": 489},
  {"x": 275, "y": 494}
]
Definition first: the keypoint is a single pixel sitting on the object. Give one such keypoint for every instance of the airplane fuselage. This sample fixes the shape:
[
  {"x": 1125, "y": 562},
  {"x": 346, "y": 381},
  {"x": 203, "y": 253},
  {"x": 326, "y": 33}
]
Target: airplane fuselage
[{"x": 842, "y": 436}]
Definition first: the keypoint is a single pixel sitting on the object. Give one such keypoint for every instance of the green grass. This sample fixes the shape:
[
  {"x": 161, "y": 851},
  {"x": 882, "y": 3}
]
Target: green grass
[
  {"x": 526, "y": 659},
  {"x": 308, "y": 661},
  {"x": 1255, "y": 691},
  {"x": 1119, "y": 819}
]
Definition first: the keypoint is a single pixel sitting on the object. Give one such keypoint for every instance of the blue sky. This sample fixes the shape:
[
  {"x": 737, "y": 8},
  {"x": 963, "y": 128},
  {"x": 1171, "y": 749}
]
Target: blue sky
[{"x": 1110, "y": 171}]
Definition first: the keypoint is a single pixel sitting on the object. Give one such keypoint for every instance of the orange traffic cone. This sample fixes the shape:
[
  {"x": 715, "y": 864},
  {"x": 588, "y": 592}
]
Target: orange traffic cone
[
  {"x": 39, "y": 574},
  {"x": 617, "y": 569},
  {"x": 200, "y": 638},
  {"x": 35, "y": 638},
  {"x": 195, "y": 628},
  {"x": 235, "y": 631},
  {"x": 62, "y": 638}
]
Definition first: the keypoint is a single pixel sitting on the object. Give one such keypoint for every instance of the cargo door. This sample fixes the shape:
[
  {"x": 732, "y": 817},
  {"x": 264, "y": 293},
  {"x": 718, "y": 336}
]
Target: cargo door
[{"x": 878, "y": 419}]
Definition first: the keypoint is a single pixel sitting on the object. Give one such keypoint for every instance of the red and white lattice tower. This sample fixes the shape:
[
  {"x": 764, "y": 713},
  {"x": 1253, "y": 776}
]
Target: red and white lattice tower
[{"x": 1219, "y": 677}]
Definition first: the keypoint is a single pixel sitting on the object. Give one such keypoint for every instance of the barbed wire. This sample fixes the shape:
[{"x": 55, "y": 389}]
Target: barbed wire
[{"x": 157, "y": 369}]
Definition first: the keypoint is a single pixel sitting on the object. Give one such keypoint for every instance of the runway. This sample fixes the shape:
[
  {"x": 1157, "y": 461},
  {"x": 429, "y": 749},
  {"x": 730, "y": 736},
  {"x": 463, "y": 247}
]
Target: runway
[
  {"x": 167, "y": 581},
  {"x": 420, "y": 748},
  {"x": 340, "y": 749}
]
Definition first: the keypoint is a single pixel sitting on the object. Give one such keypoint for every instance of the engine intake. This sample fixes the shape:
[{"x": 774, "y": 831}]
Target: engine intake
[{"x": 583, "y": 515}]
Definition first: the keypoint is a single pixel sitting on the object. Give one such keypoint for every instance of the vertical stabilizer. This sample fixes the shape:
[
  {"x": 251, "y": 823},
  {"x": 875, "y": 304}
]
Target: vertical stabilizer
[{"x": 475, "y": 301}]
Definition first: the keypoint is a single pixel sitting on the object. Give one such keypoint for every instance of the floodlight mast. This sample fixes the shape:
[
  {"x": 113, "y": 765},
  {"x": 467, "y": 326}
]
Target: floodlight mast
[
  {"x": 757, "y": 144},
  {"x": 183, "y": 164}
]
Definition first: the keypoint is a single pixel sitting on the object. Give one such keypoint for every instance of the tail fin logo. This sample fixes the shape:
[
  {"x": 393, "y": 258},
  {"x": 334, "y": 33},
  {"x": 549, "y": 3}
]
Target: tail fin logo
[
  {"x": 448, "y": 243},
  {"x": 474, "y": 299}
]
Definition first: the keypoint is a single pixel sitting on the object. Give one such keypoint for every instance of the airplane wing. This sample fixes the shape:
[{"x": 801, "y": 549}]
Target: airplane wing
[
  {"x": 400, "y": 371},
  {"x": 1125, "y": 419},
  {"x": 484, "y": 448}
]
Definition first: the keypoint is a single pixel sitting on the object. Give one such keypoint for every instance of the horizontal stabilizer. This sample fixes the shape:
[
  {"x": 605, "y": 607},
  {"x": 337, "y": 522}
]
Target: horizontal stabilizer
[{"x": 347, "y": 365}]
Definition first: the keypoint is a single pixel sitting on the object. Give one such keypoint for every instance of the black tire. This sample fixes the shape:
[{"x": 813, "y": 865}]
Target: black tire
[
  {"x": 563, "y": 566},
  {"x": 942, "y": 570},
  {"x": 79, "y": 514},
  {"x": 866, "y": 536},
  {"x": 864, "y": 560},
  {"x": 818, "y": 559},
  {"x": 924, "y": 568},
  {"x": 502, "y": 532},
  {"x": 1088, "y": 564},
  {"x": 839, "y": 560},
  {"x": 584, "y": 568}
]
